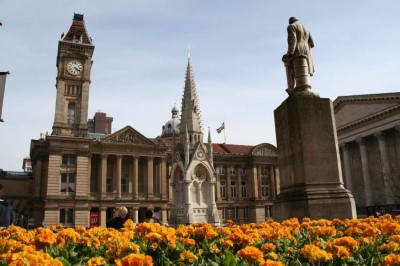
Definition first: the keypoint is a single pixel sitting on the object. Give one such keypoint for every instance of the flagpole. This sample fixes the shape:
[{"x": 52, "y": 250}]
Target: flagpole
[{"x": 224, "y": 132}]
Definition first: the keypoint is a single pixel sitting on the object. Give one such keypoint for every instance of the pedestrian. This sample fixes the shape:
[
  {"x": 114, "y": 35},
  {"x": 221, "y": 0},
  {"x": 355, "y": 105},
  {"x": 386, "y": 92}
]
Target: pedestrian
[
  {"x": 120, "y": 217},
  {"x": 149, "y": 216},
  {"x": 6, "y": 214}
]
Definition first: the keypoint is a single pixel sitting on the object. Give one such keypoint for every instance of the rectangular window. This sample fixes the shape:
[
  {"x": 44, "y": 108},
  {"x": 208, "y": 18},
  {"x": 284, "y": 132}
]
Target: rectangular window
[
  {"x": 242, "y": 171},
  {"x": 124, "y": 187},
  {"x": 222, "y": 187},
  {"x": 244, "y": 188},
  {"x": 232, "y": 171},
  {"x": 222, "y": 171},
  {"x": 224, "y": 214},
  {"x": 267, "y": 211},
  {"x": 71, "y": 113},
  {"x": 233, "y": 189},
  {"x": 246, "y": 212},
  {"x": 67, "y": 217},
  {"x": 109, "y": 184},
  {"x": 265, "y": 187},
  {"x": 236, "y": 213},
  {"x": 67, "y": 182},
  {"x": 69, "y": 159},
  {"x": 264, "y": 171}
]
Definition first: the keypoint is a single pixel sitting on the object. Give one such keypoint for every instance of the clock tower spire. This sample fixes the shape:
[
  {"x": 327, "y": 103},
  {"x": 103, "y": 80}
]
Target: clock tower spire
[{"x": 74, "y": 63}]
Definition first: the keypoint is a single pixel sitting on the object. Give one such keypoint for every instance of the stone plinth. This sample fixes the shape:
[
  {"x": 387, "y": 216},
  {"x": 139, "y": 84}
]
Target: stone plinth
[{"x": 309, "y": 162}]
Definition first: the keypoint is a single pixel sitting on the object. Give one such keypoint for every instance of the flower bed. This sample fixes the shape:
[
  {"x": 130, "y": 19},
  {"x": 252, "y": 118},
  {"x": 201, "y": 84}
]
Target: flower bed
[{"x": 369, "y": 241}]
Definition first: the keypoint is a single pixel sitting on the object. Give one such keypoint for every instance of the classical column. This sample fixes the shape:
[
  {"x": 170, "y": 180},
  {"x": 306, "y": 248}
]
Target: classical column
[
  {"x": 218, "y": 184},
  {"x": 103, "y": 216},
  {"x": 103, "y": 181},
  {"x": 150, "y": 161},
  {"x": 365, "y": 170},
  {"x": 239, "y": 183},
  {"x": 347, "y": 168},
  {"x": 385, "y": 167},
  {"x": 254, "y": 183},
  {"x": 272, "y": 181},
  {"x": 119, "y": 166},
  {"x": 228, "y": 183},
  {"x": 277, "y": 180},
  {"x": 89, "y": 177},
  {"x": 38, "y": 177},
  {"x": 164, "y": 215},
  {"x": 135, "y": 215},
  {"x": 164, "y": 181},
  {"x": 135, "y": 176},
  {"x": 259, "y": 181}
]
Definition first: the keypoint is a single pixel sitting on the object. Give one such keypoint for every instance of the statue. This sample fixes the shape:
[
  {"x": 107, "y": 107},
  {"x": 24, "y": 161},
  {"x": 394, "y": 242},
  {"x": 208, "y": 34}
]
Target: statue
[{"x": 298, "y": 59}]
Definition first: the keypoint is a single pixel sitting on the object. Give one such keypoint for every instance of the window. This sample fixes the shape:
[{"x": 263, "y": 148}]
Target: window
[
  {"x": 246, "y": 212},
  {"x": 267, "y": 211},
  {"x": 244, "y": 188},
  {"x": 236, "y": 213},
  {"x": 222, "y": 187},
  {"x": 224, "y": 213},
  {"x": 71, "y": 113},
  {"x": 222, "y": 171},
  {"x": 67, "y": 216},
  {"x": 264, "y": 170},
  {"x": 264, "y": 187},
  {"x": 124, "y": 187},
  {"x": 69, "y": 159},
  {"x": 109, "y": 184},
  {"x": 242, "y": 171},
  {"x": 67, "y": 182},
  {"x": 232, "y": 171},
  {"x": 233, "y": 189}
]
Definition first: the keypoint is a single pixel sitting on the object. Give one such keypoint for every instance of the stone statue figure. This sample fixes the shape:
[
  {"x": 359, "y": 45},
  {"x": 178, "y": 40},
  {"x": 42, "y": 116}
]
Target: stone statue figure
[{"x": 298, "y": 59}]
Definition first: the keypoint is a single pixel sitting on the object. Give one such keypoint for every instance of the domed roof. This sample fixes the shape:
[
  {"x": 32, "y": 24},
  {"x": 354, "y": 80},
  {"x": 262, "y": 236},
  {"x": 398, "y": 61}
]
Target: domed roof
[{"x": 171, "y": 128}]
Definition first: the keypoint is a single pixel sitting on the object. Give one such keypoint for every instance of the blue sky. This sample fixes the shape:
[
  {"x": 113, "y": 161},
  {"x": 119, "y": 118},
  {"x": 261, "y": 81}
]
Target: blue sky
[{"x": 236, "y": 49}]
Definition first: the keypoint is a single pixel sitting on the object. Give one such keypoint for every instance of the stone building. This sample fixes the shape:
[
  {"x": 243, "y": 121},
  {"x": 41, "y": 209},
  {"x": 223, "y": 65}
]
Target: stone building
[
  {"x": 369, "y": 140},
  {"x": 82, "y": 172}
]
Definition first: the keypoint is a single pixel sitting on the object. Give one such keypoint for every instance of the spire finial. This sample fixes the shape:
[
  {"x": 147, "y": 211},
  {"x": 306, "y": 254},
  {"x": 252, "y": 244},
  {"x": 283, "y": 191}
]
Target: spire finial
[{"x": 188, "y": 51}]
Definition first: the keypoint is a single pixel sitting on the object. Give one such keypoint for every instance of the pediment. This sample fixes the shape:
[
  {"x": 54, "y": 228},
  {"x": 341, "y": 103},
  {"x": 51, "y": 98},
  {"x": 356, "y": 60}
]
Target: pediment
[
  {"x": 264, "y": 149},
  {"x": 128, "y": 135},
  {"x": 351, "y": 109}
]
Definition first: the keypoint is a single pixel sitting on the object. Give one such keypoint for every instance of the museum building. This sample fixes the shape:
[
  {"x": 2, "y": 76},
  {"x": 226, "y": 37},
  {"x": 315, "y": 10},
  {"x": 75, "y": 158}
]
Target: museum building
[{"x": 82, "y": 171}]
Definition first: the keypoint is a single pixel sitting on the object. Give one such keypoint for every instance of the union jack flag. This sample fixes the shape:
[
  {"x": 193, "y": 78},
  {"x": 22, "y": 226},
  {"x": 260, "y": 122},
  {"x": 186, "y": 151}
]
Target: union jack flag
[{"x": 222, "y": 127}]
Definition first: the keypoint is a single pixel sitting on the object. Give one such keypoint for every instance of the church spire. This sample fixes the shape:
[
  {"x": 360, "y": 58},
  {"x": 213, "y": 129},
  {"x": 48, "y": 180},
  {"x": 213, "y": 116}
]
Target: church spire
[{"x": 190, "y": 114}]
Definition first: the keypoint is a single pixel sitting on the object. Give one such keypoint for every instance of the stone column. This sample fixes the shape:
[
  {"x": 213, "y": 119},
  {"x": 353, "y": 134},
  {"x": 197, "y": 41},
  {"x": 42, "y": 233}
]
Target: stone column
[
  {"x": 164, "y": 215},
  {"x": 218, "y": 184},
  {"x": 239, "y": 184},
  {"x": 272, "y": 181},
  {"x": 135, "y": 215},
  {"x": 255, "y": 185},
  {"x": 119, "y": 166},
  {"x": 103, "y": 180},
  {"x": 277, "y": 180},
  {"x": 228, "y": 183},
  {"x": 89, "y": 177},
  {"x": 38, "y": 177},
  {"x": 103, "y": 216},
  {"x": 385, "y": 167},
  {"x": 150, "y": 175},
  {"x": 135, "y": 176},
  {"x": 260, "y": 195},
  {"x": 365, "y": 170},
  {"x": 164, "y": 181},
  {"x": 347, "y": 169}
]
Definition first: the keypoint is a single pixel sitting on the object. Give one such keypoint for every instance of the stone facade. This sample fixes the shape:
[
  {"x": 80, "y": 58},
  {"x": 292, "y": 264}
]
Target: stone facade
[{"x": 369, "y": 141}]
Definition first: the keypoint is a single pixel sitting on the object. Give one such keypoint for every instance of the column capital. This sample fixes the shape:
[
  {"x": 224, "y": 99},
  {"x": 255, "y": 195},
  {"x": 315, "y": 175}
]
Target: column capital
[
  {"x": 379, "y": 135},
  {"x": 360, "y": 141},
  {"x": 104, "y": 156}
]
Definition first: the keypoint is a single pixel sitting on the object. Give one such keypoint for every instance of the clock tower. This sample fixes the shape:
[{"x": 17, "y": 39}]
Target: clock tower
[{"x": 74, "y": 63}]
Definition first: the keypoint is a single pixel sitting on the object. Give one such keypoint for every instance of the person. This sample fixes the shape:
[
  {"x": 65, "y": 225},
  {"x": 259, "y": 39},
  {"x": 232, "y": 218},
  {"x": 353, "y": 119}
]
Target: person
[
  {"x": 6, "y": 214},
  {"x": 120, "y": 217},
  {"x": 300, "y": 42},
  {"x": 148, "y": 216}
]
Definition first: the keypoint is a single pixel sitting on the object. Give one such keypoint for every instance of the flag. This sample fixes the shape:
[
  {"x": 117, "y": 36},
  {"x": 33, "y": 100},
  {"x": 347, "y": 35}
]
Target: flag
[
  {"x": 3, "y": 76},
  {"x": 222, "y": 127}
]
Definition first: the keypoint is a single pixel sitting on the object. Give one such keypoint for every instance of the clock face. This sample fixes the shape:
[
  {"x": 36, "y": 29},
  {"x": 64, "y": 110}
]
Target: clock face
[{"x": 74, "y": 67}]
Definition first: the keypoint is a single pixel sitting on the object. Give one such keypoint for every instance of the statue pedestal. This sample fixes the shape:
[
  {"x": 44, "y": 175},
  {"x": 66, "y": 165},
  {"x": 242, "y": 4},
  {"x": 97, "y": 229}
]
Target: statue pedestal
[{"x": 309, "y": 163}]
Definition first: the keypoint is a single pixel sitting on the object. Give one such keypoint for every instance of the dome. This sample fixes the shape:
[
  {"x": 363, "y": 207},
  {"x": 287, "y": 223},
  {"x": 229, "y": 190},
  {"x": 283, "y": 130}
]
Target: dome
[{"x": 171, "y": 128}]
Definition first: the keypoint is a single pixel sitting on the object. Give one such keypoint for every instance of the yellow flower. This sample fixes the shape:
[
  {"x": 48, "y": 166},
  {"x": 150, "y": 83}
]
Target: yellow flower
[
  {"x": 251, "y": 254},
  {"x": 315, "y": 254},
  {"x": 272, "y": 263},
  {"x": 189, "y": 242},
  {"x": 392, "y": 260},
  {"x": 96, "y": 261},
  {"x": 135, "y": 260},
  {"x": 187, "y": 256}
]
